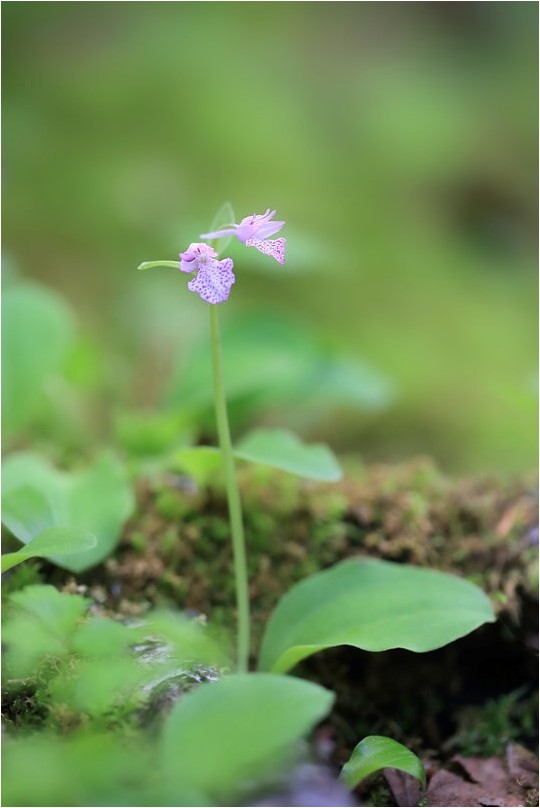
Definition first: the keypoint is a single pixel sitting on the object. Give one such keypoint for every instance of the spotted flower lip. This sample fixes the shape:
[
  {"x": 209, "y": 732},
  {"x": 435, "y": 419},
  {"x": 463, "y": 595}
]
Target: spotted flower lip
[
  {"x": 213, "y": 281},
  {"x": 254, "y": 231},
  {"x": 214, "y": 278}
]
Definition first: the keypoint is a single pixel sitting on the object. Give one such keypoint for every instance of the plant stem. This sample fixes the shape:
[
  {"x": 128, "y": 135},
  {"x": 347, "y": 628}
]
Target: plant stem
[{"x": 233, "y": 497}]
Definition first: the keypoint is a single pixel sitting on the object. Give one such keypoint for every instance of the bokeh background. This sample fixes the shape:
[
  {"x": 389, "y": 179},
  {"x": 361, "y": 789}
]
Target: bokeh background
[{"x": 398, "y": 140}]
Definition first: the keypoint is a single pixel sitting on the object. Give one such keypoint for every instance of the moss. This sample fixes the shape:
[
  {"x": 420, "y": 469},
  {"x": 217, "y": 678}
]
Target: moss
[
  {"x": 375, "y": 791},
  {"x": 24, "y": 709},
  {"x": 485, "y": 730},
  {"x": 25, "y": 574},
  {"x": 177, "y": 547}
]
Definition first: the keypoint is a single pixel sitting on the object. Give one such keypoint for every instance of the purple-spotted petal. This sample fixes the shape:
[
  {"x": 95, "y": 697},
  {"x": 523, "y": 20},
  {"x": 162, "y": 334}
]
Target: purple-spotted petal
[
  {"x": 213, "y": 281},
  {"x": 273, "y": 247}
]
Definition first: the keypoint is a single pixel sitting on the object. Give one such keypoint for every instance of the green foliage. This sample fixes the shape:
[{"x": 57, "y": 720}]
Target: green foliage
[
  {"x": 378, "y": 752},
  {"x": 487, "y": 729},
  {"x": 151, "y": 434},
  {"x": 283, "y": 450},
  {"x": 230, "y": 732},
  {"x": 39, "y": 628},
  {"x": 36, "y": 496},
  {"x": 37, "y": 331},
  {"x": 95, "y": 674},
  {"x": 261, "y": 370},
  {"x": 202, "y": 463},
  {"x": 407, "y": 213},
  {"x": 88, "y": 768},
  {"x": 274, "y": 448},
  {"x": 94, "y": 665},
  {"x": 373, "y": 605},
  {"x": 52, "y": 541}
]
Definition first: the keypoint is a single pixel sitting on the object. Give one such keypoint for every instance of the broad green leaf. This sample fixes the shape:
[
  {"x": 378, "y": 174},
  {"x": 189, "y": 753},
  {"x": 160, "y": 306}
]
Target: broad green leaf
[
  {"x": 283, "y": 450},
  {"x": 277, "y": 448},
  {"x": 37, "y": 330},
  {"x": 223, "y": 218},
  {"x": 97, "y": 499},
  {"x": 85, "y": 767},
  {"x": 149, "y": 434},
  {"x": 351, "y": 383},
  {"x": 40, "y": 623},
  {"x": 260, "y": 370},
  {"x": 257, "y": 362},
  {"x": 102, "y": 637},
  {"x": 200, "y": 462},
  {"x": 26, "y": 511},
  {"x": 227, "y": 733},
  {"x": 372, "y": 605},
  {"x": 378, "y": 752},
  {"x": 50, "y": 542},
  {"x": 96, "y": 686}
]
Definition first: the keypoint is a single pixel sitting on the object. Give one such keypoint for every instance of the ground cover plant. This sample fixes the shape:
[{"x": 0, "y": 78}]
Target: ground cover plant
[{"x": 160, "y": 707}]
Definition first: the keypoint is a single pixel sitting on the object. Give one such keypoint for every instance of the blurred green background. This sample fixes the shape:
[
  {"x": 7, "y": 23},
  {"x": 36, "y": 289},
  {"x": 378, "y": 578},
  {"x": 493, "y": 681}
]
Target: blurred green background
[{"x": 399, "y": 142}]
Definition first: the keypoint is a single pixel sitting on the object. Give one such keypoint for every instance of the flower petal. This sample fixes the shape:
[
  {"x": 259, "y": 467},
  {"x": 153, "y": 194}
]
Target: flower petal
[
  {"x": 273, "y": 247},
  {"x": 227, "y": 231},
  {"x": 213, "y": 281},
  {"x": 269, "y": 229},
  {"x": 196, "y": 256}
]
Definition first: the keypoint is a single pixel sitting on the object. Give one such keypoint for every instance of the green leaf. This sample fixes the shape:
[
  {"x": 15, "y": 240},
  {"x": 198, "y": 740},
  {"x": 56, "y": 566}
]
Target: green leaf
[
  {"x": 277, "y": 448},
  {"x": 260, "y": 370},
  {"x": 40, "y": 623},
  {"x": 372, "y": 605},
  {"x": 283, "y": 450},
  {"x": 51, "y": 541},
  {"x": 202, "y": 463},
  {"x": 151, "y": 434},
  {"x": 96, "y": 686},
  {"x": 37, "y": 330},
  {"x": 92, "y": 767},
  {"x": 97, "y": 499},
  {"x": 102, "y": 637},
  {"x": 225, "y": 734},
  {"x": 223, "y": 218},
  {"x": 378, "y": 752},
  {"x": 257, "y": 362},
  {"x": 346, "y": 382}
]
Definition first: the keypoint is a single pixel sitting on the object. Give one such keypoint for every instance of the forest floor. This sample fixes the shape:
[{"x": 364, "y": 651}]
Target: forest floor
[{"x": 468, "y": 710}]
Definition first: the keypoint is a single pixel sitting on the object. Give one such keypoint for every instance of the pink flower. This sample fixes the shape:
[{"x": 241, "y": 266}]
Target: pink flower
[
  {"x": 196, "y": 256},
  {"x": 254, "y": 231},
  {"x": 214, "y": 278}
]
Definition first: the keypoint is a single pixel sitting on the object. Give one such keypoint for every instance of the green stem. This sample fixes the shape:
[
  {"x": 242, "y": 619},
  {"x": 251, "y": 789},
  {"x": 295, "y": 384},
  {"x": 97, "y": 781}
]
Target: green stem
[{"x": 233, "y": 497}]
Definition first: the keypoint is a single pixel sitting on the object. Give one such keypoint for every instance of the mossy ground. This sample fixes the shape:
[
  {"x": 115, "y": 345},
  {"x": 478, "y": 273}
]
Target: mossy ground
[
  {"x": 471, "y": 697},
  {"x": 176, "y": 549}
]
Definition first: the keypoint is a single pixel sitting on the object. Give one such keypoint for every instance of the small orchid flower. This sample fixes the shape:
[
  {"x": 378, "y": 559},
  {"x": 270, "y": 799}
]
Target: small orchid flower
[
  {"x": 196, "y": 256},
  {"x": 214, "y": 278},
  {"x": 254, "y": 231}
]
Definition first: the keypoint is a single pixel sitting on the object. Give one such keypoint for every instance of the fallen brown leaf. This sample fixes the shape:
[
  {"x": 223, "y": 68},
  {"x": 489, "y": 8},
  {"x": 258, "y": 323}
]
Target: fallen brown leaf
[{"x": 506, "y": 781}]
